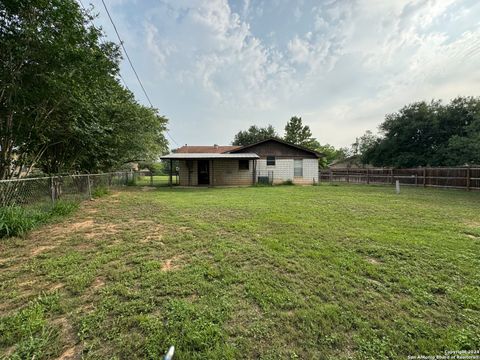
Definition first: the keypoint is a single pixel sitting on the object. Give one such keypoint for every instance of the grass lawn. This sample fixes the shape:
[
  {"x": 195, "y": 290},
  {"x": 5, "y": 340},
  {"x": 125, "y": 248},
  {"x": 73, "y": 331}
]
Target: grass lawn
[
  {"x": 158, "y": 180},
  {"x": 325, "y": 272}
]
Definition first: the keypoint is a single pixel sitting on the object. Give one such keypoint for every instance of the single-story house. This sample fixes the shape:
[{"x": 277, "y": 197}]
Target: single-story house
[{"x": 272, "y": 160}]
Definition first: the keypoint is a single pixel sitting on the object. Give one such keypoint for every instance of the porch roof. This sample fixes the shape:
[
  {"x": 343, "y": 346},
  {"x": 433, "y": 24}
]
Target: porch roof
[{"x": 193, "y": 156}]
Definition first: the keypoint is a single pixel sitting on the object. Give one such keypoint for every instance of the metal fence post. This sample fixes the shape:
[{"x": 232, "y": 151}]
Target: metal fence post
[
  {"x": 52, "y": 189},
  {"x": 151, "y": 178},
  {"x": 89, "y": 187}
]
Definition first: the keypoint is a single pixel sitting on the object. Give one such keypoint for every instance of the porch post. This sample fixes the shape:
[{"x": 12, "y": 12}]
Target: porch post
[
  {"x": 254, "y": 174},
  {"x": 171, "y": 171},
  {"x": 213, "y": 175}
]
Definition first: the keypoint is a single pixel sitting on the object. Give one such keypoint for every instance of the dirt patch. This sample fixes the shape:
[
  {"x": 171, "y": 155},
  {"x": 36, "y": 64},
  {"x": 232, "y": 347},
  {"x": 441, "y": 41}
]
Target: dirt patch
[
  {"x": 373, "y": 261},
  {"x": 82, "y": 225},
  {"x": 40, "y": 249},
  {"x": 68, "y": 335},
  {"x": 147, "y": 188},
  {"x": 102, "y": 230},
  {"x": 70, "y": 353},
  {"x": 171, "y": 264},
  {"x": 56, "y": 286},
  {"x": 473, "y": 237},
  {"x": 98, "y": 283},
  {"x": 473, "y": 224},
  {"x": 27, "y": 283}
]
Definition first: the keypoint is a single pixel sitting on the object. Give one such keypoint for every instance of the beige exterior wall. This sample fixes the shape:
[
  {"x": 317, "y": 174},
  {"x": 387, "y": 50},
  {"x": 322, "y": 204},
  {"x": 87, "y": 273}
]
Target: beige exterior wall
[
  {"x": 222, "y": 172},
  {"x": 187, "y": 177},
  {"x": 226, "y": 172}
]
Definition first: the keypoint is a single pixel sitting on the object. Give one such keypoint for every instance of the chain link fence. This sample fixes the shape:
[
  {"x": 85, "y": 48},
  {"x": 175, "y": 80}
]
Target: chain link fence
[{"x": 48, "y": 190}]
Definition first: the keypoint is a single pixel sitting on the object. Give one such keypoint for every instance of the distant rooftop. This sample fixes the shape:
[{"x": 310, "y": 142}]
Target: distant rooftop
[
  {"x": 210, "y": 155},
  {"x": 215, "y": 149}
]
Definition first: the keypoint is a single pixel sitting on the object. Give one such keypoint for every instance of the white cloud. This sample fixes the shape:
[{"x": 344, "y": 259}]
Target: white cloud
[{"x": 343, "y": 66}]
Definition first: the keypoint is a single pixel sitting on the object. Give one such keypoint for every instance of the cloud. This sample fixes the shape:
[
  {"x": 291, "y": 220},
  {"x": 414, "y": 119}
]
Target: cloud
[{"x": 342, "y": 64}]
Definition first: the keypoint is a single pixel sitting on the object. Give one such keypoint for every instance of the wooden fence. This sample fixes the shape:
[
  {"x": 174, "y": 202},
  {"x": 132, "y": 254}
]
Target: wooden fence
[{"x": 467, "y": 178}]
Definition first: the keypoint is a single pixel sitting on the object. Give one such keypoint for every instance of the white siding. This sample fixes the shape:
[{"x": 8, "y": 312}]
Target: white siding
[{"x": 283, "y": 170}]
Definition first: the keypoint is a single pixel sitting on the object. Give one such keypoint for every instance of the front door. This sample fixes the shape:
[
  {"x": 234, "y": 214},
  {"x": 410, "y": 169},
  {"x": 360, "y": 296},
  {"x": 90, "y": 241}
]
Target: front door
[{"x": 203, "y": 172}]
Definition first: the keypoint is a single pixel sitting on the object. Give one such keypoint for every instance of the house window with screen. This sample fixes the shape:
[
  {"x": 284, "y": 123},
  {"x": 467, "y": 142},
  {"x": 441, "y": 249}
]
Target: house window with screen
[
  {"x": 270, "y": 160},
  {"x": 298, "y": 167},
  {"x": 243, "y": 164}
]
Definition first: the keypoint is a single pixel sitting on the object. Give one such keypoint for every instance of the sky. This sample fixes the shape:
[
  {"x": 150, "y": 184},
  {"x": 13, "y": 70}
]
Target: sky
[{"x": 215, "y": 67}]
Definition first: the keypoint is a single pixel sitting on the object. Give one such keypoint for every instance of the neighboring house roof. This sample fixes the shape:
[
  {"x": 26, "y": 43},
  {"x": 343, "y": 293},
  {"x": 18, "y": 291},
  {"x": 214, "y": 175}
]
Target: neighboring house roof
[
  {"x": 216, "y": 149},
  {"x": 188, "y": 156},
  {"x": 352, "y": 161},
  {"x": 242, "y": 148}
]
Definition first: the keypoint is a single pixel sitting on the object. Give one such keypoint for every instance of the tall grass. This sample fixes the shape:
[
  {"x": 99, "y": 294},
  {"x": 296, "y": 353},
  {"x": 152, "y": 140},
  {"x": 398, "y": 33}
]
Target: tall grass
[{"x": 17, "y": 220}]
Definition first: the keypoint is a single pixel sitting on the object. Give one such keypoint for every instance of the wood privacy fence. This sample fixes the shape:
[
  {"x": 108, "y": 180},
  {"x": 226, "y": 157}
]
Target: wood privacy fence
[{"x": 467, "y": 178}]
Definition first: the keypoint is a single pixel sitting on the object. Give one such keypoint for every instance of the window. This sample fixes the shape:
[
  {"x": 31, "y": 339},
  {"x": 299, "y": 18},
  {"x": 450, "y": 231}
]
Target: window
[
  {"x": 243, "y": 164},
  {"x": 298, "y": 168},
  {"x": 270, "y": 160}
]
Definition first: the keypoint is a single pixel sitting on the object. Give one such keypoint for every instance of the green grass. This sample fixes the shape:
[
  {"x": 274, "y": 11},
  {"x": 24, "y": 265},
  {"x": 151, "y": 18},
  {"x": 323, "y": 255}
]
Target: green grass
[
  {"x": 158, "y": 180},
  {"x": 318, "y": 272},
  {"x": 18, "y": 220}
]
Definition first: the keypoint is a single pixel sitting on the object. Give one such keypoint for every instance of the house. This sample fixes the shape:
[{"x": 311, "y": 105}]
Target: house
[
  {"x": 272, "y": 160},
  {"x": 352, "y": 162}
]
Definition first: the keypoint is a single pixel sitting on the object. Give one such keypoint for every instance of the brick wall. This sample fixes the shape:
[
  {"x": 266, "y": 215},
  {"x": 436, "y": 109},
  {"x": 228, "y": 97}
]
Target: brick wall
[{"x": 184, "y": 173}]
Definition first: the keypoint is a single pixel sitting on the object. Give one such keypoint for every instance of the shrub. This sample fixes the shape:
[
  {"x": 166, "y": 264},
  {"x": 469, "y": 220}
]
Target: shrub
[
  {"x": 287, "y": 182},
  {"x": 100, "y": 191},
  {"x": 17, "y": 220}
]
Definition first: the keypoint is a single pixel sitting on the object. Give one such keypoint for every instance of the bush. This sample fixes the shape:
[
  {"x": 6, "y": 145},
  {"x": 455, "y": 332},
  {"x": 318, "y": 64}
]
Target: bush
[
  {"x": 100, "y": 191},
  {"x": 17, "y": 220},
  {"x": 287, "y": 182}
]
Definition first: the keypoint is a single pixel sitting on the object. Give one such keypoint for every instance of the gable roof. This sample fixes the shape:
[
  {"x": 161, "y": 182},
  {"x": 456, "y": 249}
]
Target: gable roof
[
  {"x": 316, "y": 154},
  {"x": 205, "y": 149}
]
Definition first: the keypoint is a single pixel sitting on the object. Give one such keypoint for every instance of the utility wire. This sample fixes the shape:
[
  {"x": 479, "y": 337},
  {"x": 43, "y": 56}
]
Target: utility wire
[
  {"x": 126, "y": 53},
  {"x": 103, "y": 42},
  {"x": 130, "y": 62}
]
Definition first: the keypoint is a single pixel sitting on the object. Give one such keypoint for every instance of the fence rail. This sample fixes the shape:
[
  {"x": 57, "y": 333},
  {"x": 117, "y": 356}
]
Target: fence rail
[
  {"x": 467, "y": 178},
  {"x": 47, "y": 190}
]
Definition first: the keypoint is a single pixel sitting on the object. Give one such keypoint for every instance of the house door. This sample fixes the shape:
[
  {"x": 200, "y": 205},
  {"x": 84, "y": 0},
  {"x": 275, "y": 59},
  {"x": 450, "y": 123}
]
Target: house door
[{"x": 203, "y": 172}]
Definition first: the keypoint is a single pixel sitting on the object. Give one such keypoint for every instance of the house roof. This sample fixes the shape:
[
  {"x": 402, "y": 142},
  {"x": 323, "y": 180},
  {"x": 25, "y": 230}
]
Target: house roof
[
  {"x": 216, "y": 149},
  {"x": 317, "y": 154},
  {"x": 191, "y": 156}
]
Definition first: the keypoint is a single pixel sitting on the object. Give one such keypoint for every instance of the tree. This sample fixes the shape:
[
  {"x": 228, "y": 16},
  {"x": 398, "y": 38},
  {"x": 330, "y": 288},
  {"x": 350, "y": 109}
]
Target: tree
[
  {"x": 61, "y": 105},
  {"x": 433, "y": 134},
  {"x": 299, "y": 134},
  {"x": 254, "y": 134},
  {"x": 330, "y": 153}
]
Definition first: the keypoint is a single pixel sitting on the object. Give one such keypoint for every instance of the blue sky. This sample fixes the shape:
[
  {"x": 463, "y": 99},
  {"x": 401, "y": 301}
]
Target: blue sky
[{"x": 216, "y": 67}]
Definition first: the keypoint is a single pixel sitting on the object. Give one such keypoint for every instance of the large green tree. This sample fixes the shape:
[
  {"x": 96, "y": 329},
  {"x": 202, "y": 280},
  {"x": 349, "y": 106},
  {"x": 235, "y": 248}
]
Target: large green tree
[
  {"x": 61, "y": 106},
  {"x": 429, "y": 134},
  {"x": 254, "y": 134},
  {"x": 299, "y": 134}
]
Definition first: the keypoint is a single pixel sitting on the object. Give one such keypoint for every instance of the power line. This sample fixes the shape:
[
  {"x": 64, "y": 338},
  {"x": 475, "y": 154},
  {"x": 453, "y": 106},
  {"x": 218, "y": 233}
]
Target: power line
[
  {"x": 130, "y": 62},
  {"x": 101, "y": 40},
  {"x": 126, "y": 53}
]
